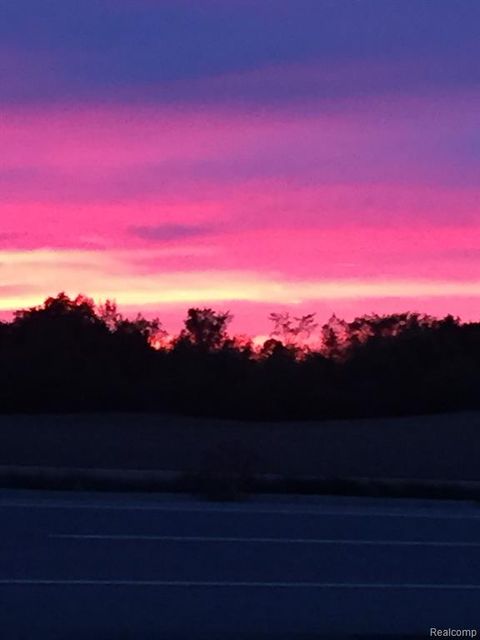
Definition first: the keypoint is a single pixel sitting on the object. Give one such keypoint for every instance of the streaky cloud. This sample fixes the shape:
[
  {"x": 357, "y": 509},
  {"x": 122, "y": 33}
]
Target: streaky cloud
[{"x": 171, "y": 232}]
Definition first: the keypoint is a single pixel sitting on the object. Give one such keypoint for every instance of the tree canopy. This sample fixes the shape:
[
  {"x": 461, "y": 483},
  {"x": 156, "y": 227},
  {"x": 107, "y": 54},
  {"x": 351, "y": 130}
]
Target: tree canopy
[{"x": 69, "y": 354}]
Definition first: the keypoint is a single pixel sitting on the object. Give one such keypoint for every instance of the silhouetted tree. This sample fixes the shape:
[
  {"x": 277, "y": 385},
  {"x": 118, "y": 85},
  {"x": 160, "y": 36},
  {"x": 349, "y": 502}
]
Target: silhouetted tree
[
  {"x": 109, "y": 314},
  {"x": 335, "y": 342},
  {"x": 206, "y": 328},
  {"x": 67, "y": 354},
  {"x": 293, "y": 330}
]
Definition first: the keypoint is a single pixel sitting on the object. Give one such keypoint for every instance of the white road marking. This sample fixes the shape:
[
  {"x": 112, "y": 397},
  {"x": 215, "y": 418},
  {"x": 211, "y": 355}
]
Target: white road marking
[
  {"x": 262, "y": 585},
  {"x": 248, "y": 510},
  {"x": 238, "y": 540}
]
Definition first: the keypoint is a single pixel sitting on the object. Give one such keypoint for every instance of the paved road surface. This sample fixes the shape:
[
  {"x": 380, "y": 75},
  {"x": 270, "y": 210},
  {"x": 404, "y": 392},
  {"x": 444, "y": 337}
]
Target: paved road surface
[{"x": 132, "y": 567}]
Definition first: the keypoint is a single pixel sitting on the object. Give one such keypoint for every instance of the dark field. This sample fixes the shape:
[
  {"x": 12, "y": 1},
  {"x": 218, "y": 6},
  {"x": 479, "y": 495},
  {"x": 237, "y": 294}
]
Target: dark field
[{"x": 440, "y": 447}]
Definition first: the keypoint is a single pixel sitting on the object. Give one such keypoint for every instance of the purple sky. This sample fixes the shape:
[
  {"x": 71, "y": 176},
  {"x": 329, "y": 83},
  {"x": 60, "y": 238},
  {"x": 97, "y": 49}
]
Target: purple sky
[{"x": 254, "y": 156}]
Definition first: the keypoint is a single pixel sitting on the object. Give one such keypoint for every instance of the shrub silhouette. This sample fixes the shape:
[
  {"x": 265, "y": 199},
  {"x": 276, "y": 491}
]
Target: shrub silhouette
[
  {"x": 227, "y": 472},
  {"x": 70, "y": 355}
]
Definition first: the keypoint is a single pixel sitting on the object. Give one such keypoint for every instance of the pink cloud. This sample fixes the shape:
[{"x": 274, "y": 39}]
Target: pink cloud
[{"x": 163, "y": 208}]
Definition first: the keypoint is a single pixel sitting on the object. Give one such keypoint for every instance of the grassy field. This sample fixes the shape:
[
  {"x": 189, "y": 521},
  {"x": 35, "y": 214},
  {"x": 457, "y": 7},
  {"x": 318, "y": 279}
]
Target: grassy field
[{"x": 440, "y": 447}]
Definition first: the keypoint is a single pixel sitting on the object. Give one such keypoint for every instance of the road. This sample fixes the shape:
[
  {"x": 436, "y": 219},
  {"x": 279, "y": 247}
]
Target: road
[{"x": 131, "y": 567}]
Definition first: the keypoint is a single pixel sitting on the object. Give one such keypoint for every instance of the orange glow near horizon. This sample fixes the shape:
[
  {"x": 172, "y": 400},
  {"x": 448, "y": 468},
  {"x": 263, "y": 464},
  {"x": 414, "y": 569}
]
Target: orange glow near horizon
[
  {"x": 157, "y": 209},
  {"x": 319, "y": 158}
]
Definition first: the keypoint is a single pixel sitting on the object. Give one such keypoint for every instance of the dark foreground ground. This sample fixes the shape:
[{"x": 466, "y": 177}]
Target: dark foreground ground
[
  {"x": 132, "y": 567},
  {"x": 445, "y": 447}
]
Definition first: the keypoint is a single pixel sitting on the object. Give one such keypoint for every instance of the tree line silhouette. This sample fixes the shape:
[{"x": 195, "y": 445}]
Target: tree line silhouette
[{"x": 70, "y": 355}]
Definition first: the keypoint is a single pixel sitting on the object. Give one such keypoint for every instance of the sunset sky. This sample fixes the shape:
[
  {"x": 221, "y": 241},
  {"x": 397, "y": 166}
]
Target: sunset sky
[{"x": 250, "y": 155}]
